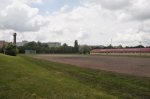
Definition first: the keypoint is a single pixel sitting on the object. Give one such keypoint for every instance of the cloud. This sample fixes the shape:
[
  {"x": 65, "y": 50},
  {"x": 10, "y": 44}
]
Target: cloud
[
  {"x": 21, "y": 17},
  {"x": 28, "y": 1},
  {"x": 93, "y": 22},
  {"x": 133, "y": 9},
  {"x": 133, "y": 37},
  {"x": 82, "y": 23},
  {"x": 111, "y": 4},
  {"x": 6, "y": 35},
  {"x": 140, "y": 10}
]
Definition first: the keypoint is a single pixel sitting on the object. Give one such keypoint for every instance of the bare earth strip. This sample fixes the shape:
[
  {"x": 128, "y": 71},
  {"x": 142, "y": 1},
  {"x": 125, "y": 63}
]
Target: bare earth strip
[{"x": 126, "y": 65}]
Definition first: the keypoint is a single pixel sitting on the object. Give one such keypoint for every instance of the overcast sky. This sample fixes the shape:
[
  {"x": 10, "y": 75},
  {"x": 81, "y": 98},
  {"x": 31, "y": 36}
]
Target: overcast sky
[{"x": 92, "y": 22}]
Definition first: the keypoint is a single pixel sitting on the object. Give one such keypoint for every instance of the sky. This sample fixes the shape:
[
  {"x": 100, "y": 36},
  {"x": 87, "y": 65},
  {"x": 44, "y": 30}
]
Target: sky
[{"x": 91, "y": 22}]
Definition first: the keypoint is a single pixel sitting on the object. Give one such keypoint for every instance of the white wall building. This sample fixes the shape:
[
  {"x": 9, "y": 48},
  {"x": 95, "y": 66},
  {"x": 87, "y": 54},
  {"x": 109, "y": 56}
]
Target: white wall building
[
  {"x": 21, "y": 43},
  {"x": 54, "y": 44}
]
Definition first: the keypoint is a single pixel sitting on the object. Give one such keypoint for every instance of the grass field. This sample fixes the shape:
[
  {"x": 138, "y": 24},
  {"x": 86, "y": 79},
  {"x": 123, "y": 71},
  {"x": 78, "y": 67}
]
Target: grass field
[{"x": 23, "y": 77}]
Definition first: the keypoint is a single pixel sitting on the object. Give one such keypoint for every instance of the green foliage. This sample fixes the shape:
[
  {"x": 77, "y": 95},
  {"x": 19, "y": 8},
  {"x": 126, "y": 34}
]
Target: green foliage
[
  {"x": 11, "y": 50},
  {"x": 84, "y": 49},
  {"x": 21, "y": 49},
  {"x": 39, "y": 47},
  {"x": 62, "y": 49},
  {"x": 138, "y": 46},
  {"x": 44, "y": 48},
  {"x": 110, "y": 46},
  {"x": 23, "y": 77},
  {"x": 2, "y": 49}
]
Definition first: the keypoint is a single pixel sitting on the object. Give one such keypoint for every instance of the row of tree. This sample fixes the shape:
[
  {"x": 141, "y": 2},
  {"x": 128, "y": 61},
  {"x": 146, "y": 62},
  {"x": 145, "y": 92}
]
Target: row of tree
[
  {"x": 116, "y": 47},
  {"x": 39, "y": 47},
  {"x": 12, "y": 49},
  {"x": 81, "y": 49},
  {"x": 44, "y": 48}
]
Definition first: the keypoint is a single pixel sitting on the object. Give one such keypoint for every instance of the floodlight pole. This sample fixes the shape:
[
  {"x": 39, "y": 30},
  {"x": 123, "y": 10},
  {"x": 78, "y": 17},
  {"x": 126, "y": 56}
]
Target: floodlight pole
[{"x": 140, "y": 48}]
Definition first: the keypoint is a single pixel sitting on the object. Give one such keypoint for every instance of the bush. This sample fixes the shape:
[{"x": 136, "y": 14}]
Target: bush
[
  {"x": 84, "y": 49},
  {"x": 2, "y": 49},
  {"x": 11, "y": 50}
]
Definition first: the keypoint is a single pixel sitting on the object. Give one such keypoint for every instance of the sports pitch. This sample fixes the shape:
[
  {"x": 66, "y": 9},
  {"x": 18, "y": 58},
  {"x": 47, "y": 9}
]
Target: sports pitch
[{"x": 137, "y": 66}]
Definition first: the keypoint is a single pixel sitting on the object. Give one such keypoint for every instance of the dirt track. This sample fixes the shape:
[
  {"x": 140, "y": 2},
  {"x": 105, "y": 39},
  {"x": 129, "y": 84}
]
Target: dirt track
[{"x": 126, "y": 65}]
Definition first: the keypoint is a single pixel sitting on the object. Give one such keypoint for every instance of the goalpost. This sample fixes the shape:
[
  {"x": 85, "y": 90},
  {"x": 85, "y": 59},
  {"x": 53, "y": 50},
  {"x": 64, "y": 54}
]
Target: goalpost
[{"x": 30, "y": 51}]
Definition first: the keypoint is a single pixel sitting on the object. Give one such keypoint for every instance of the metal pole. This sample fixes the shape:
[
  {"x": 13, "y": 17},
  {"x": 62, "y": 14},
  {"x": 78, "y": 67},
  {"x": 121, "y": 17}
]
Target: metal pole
[{"x": 140, "y": 48}]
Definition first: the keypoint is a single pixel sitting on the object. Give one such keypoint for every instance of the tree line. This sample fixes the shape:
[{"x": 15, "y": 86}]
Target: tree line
[
  {"x": 119, "y": 46},
  {"x": 45, "y": 49}
]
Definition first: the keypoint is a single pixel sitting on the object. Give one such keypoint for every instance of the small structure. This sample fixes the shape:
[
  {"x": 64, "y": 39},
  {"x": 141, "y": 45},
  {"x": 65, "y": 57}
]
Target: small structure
[{"x": 30, "y": 51}]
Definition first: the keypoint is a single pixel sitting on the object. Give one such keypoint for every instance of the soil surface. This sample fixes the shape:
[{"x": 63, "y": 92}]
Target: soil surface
[{"x": 127, "y": 65}]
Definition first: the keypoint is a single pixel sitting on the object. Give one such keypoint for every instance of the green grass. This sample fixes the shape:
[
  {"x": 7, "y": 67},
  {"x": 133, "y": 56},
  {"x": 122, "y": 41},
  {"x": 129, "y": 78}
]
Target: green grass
[{"x": 23, "y": 77}]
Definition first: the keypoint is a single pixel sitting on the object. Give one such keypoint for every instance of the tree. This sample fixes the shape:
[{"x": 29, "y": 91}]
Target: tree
[
  {"x": 139, "y": 46},
  {"x": 64, "y": 45},
  {"x": 84, "y": 49},
  {"x": 38, "y": 46},
  {"x": 76, "y": 46},
  {"x": 2, "y": 49},
  {"x": 109, "y": 46},
  {"x": 120, "y": 46},
  {"x": 11, "y": 50},
  {"x": 31, "y": 46},
  {"x": 21, "y": 49},
  {"x": 64, "y": 48}
]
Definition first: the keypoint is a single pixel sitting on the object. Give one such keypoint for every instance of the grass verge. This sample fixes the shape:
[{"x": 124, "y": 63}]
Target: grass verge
[{"x": 23, "y": 77}]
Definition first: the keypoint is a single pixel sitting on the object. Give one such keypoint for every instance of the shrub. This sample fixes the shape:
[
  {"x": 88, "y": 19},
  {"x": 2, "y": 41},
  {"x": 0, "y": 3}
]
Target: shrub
[
  {"x": 84, "y": 49},
  {"x": 11, "y": 50},
  {"x": 2, "y": 49}
]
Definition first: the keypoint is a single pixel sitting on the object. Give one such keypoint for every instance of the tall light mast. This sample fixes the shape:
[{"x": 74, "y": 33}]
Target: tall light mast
[{"x": 14, "y": 39}]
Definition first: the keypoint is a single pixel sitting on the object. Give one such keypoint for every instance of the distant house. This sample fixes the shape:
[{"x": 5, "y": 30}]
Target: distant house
[
  {"x": 54, "y": 44},
  {"x": 21, "y": 43},
  {"x": 2, "y": 43}
]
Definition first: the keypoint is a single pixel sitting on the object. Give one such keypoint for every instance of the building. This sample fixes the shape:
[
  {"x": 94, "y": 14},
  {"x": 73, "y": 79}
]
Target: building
[
  {"x": 50, "y": 44},
  {"x": 54, "y": 44},
  {"x": 21, "y": 43},
  {"x": 2, "y": 43}
]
